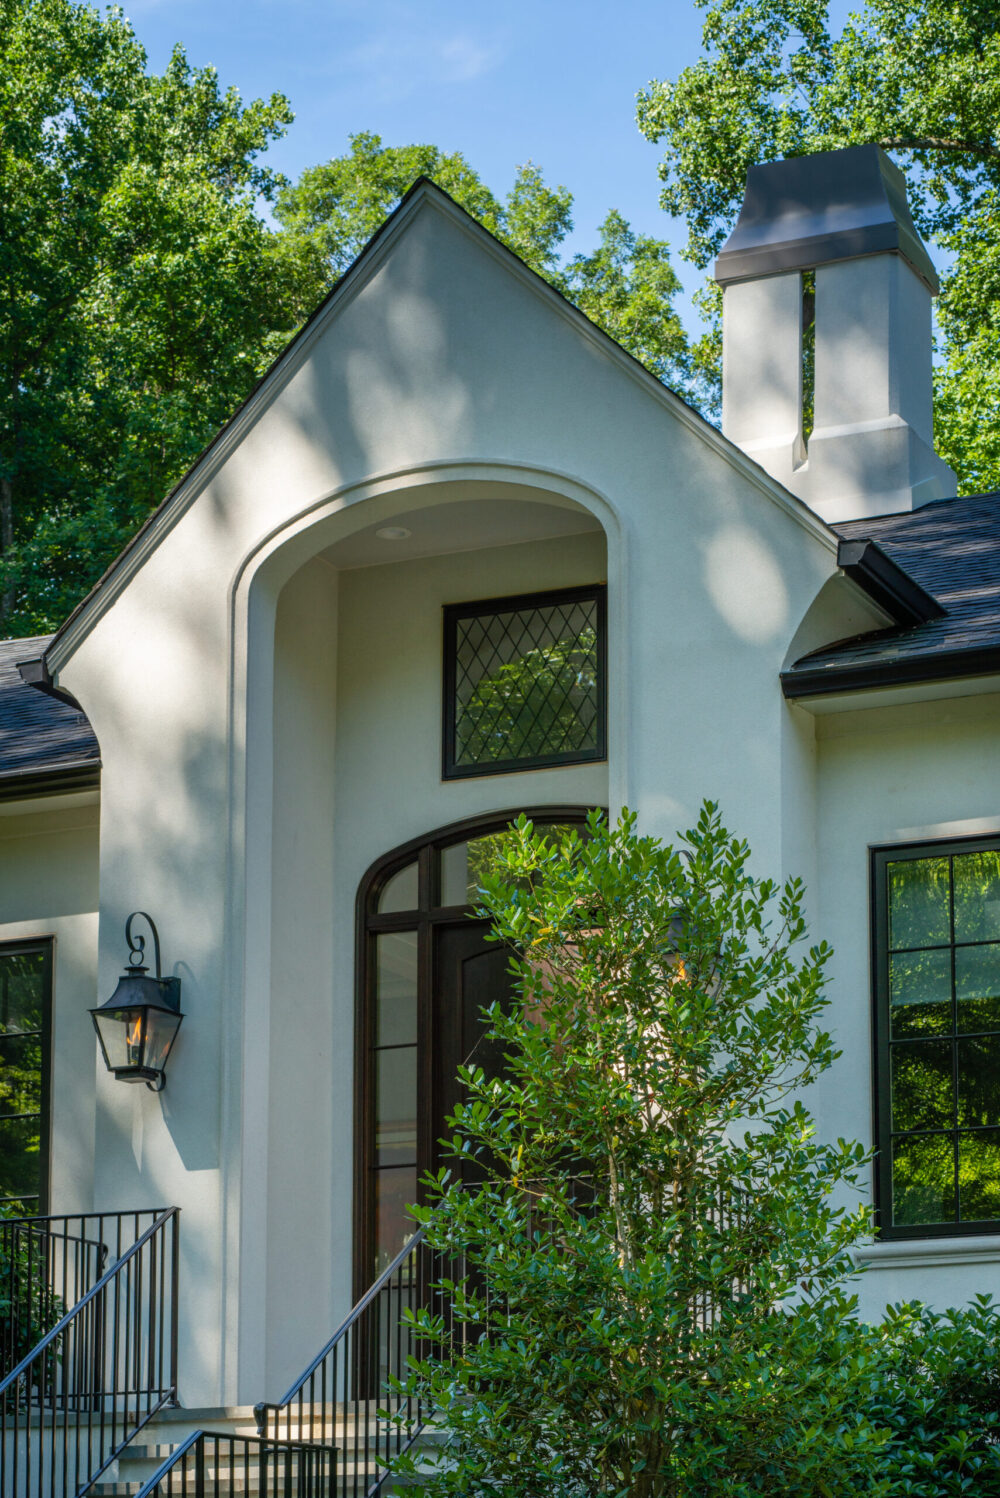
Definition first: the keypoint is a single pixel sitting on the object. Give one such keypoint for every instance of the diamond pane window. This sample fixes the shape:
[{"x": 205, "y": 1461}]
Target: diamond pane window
[{"x": 524, "y": 682}]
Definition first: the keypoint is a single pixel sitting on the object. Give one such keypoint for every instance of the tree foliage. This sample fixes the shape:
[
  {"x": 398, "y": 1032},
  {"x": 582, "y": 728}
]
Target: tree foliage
[
  {"x": 919, "y": 77},
  {"x": 655, "y": 1242},
  {"x": 140, "y": 291},
  {"x": 656, "y": 1255},
  {"x": 625, "y": 285}
]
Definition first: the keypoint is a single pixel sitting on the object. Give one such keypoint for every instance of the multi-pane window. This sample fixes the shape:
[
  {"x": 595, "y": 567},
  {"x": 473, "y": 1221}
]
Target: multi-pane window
[
  {"x": 524, "y": 682},
  {"x": 937, "y": 911},
  {"x": 25, "y": 996}
]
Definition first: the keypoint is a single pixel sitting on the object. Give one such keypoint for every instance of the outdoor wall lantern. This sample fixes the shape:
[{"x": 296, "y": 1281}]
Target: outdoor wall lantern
[{"x": 137, "y": 1025}]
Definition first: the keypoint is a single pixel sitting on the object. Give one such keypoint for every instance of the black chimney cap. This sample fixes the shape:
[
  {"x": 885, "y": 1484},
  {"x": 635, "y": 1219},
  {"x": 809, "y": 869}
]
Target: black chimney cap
[{"x": 810, "y": 210}]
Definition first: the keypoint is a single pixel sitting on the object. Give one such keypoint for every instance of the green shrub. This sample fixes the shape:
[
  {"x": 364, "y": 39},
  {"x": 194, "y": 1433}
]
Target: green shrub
[
  {"x": 656, "y": 1294},
  {"x": 29, "y": 1308}
]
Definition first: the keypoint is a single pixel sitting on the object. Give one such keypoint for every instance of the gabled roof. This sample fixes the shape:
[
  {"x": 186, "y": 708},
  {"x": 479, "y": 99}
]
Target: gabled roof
[
  {"x": 227, "y": 438},
  {"x": 45, "y": 744},
  {"x": 952, "y": 549}
]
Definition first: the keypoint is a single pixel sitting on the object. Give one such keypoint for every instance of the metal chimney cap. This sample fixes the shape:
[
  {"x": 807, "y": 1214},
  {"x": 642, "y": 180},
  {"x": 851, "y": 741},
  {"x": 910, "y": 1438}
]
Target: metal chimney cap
[{"x": 810, "y": 210}]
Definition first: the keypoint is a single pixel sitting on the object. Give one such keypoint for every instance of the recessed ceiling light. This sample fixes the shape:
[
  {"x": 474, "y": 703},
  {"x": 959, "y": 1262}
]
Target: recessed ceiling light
[{"x": 393, "y": 533}]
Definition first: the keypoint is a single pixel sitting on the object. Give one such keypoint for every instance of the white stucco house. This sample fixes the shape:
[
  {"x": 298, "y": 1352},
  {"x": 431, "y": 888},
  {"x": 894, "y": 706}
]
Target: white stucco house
[{"x": 274, "y": 726}]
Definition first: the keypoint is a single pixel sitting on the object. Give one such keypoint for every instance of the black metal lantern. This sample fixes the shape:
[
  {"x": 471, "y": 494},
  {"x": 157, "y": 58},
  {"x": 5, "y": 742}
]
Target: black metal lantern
[{"x": 138, "y": 1024}]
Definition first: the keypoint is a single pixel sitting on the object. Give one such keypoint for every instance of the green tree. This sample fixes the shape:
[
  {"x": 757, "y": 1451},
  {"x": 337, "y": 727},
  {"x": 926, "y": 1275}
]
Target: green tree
[
  {"x": 141, "y": 294},
  {"x": 919, "y": 77},
  {"x": 654, "y": 1298},
  {"x": 625, "y": 285}
]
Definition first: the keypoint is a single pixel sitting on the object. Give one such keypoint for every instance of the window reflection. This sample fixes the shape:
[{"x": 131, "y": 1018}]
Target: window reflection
[{"x": 944, "y": 1037}]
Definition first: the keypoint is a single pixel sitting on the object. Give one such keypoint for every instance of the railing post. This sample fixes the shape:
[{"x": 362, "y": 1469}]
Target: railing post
[
  {"x": 175, "y": 1279},
  {"x": 199, "y": 1467}
]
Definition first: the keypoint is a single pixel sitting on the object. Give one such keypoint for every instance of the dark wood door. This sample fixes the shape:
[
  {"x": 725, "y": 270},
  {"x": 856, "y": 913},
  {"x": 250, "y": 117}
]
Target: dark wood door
[{"x": 471, "y": 974}]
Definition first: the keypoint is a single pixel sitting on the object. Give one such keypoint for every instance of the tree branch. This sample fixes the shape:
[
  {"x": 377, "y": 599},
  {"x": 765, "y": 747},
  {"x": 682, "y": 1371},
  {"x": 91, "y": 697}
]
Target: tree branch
[{"x": 939, "y": 143}]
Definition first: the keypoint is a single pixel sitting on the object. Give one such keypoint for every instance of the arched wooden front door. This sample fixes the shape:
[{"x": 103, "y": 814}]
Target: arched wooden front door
[{"x": 425, "y": 973}]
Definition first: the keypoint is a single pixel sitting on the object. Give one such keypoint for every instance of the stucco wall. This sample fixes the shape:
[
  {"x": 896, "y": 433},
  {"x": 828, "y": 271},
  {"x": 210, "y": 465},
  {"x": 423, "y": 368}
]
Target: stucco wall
[
  {"x": 885, "y": 776},
  {"x": 357, "y": 770},
  {"x": 49, "y": 888},
  {"x": 440, "y": 365}
]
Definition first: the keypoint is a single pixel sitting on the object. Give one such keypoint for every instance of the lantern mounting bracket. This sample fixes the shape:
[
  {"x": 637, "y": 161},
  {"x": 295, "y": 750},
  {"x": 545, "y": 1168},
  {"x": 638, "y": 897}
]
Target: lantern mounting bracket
[{"x": 137, "y": 944}]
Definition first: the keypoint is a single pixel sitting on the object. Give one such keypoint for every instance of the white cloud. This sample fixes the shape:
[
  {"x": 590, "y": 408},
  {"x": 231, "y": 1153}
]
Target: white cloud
[{"x": 402, "y": 61}]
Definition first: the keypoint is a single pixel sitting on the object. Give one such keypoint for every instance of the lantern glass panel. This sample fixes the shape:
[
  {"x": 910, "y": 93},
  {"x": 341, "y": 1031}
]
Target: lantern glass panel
[
  {"x": 161, "y": 1027},
  {"x": 121, "y": 1032}
]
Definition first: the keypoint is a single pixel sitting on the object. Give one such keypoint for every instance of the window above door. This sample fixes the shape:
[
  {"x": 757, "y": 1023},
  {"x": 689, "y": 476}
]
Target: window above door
[{"x": 525, "y": 682}]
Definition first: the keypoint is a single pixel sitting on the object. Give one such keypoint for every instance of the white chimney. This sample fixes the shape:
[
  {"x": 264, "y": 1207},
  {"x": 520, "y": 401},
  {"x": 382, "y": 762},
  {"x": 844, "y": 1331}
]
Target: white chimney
[{"x": 843, "y": 215}]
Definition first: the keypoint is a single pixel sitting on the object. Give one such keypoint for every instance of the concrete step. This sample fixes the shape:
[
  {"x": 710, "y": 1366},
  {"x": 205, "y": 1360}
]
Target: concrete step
[{"x": 155, "y": 1443}]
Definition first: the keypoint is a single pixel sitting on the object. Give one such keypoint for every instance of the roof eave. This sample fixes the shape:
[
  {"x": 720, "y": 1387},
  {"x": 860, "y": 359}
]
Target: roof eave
[
  {"x": 59, "y": 780},
  {"x": 886, "y": 583},
  {"x": 942, "y": 666}
]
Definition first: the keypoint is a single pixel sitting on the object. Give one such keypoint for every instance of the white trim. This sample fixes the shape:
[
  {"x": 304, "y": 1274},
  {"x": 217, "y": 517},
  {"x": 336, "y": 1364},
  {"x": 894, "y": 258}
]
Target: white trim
[
  {"x": 163, "y": 520},
  {"x": 929, "y": 1253}
]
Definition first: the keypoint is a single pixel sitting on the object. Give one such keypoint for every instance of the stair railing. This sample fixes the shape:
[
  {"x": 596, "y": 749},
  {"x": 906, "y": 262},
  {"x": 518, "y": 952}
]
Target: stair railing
[
  {"x": 47, "y": 1265},
  {"x": 337, "y": 1400},
  {"x": 213, "y": 1463},
  {"x": 106, "y": 1367}
]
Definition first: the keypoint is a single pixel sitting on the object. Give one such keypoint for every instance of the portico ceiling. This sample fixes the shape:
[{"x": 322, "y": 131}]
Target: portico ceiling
[{"x": 461, "y": 525}]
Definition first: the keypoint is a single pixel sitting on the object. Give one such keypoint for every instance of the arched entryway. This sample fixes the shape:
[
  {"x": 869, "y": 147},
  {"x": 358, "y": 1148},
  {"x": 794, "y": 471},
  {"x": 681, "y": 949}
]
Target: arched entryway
[{"x": 425, "y": 972}]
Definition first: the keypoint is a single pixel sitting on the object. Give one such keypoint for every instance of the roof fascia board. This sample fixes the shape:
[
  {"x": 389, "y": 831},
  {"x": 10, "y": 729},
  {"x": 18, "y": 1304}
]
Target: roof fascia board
[
  {"x": 886, "y": 583},
  {"x": 178, "y": 501},
  {"x": 945, "y": 665}
]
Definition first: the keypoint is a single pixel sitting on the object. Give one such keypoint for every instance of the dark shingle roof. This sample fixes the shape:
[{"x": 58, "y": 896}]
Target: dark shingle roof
[
  {"x": 40, "y": 737},
  {"x": 952, "y": 549}
]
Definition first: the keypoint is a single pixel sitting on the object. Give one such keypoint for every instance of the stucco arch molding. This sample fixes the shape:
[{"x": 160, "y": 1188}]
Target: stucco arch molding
[{"x": 253, "y": 609}]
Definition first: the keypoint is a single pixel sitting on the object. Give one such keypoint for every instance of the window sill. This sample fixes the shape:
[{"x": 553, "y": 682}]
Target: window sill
[{"x": 929, "y": 1253}]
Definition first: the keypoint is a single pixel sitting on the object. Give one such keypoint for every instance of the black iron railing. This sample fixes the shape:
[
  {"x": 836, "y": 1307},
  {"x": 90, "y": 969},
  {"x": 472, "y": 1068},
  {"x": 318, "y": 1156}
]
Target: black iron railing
[
  {"x": 103, "y": 1370},
  {"x": 47, "y": 1265},
  {"x": 210, "y": 1464},
  {"x": 337, "y": 1400}
]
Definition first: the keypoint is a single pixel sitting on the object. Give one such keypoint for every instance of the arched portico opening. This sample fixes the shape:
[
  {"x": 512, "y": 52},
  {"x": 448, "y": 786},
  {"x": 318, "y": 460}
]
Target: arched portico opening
[
  {"x": 426, "y": 970},
  {"x": 338, "y": 680}
]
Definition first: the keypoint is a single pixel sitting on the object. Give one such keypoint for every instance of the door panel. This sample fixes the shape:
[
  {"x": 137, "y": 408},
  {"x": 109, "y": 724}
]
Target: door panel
[{"x": 471, "y": 974}]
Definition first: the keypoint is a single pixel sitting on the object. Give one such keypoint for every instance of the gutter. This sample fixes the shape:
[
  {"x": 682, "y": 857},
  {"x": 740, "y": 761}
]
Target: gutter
[
  {"x": 886, "y": 583},
  {"x": 36, "y": 673},
  {"x": 942, "y": 665},
  {"x": 77, "y": 775}
]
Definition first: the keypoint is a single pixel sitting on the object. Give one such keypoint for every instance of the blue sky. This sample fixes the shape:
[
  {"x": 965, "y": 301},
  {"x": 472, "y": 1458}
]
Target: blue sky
[{"x": 553, "y": 82}]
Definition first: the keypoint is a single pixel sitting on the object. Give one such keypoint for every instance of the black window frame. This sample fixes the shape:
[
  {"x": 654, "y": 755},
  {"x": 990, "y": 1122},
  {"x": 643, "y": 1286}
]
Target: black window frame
[
  {"x": 45, "y": 945},
  {"x": 453, "y": 612},
  {"x": 881, "y": 857}
]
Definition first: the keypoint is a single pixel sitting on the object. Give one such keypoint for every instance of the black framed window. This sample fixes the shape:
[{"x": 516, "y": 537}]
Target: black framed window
[
  {"x": 525, "y": 682},
  {"x": 937, "y": 992},
  {"x": 25, "y": 1028}
]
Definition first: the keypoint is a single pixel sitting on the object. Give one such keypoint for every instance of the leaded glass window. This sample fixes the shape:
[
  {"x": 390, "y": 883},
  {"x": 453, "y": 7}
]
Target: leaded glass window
[
  {"x": 25, "y": 990},
  {"x": 524, "y": 682},
  {"x": 938, "y": 983}
]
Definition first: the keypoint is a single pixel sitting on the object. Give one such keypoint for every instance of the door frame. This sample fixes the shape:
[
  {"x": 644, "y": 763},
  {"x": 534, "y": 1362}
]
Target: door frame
[{"x": 425, "y": 851}]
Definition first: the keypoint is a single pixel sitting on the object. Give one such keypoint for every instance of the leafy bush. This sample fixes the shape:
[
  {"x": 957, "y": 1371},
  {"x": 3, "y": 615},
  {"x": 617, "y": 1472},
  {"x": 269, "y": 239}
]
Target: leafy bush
[
  {"x": 654, "y": 1299},
  {"x": 936, "y": 1389},
  {"x": 28, "y": 1305}
]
